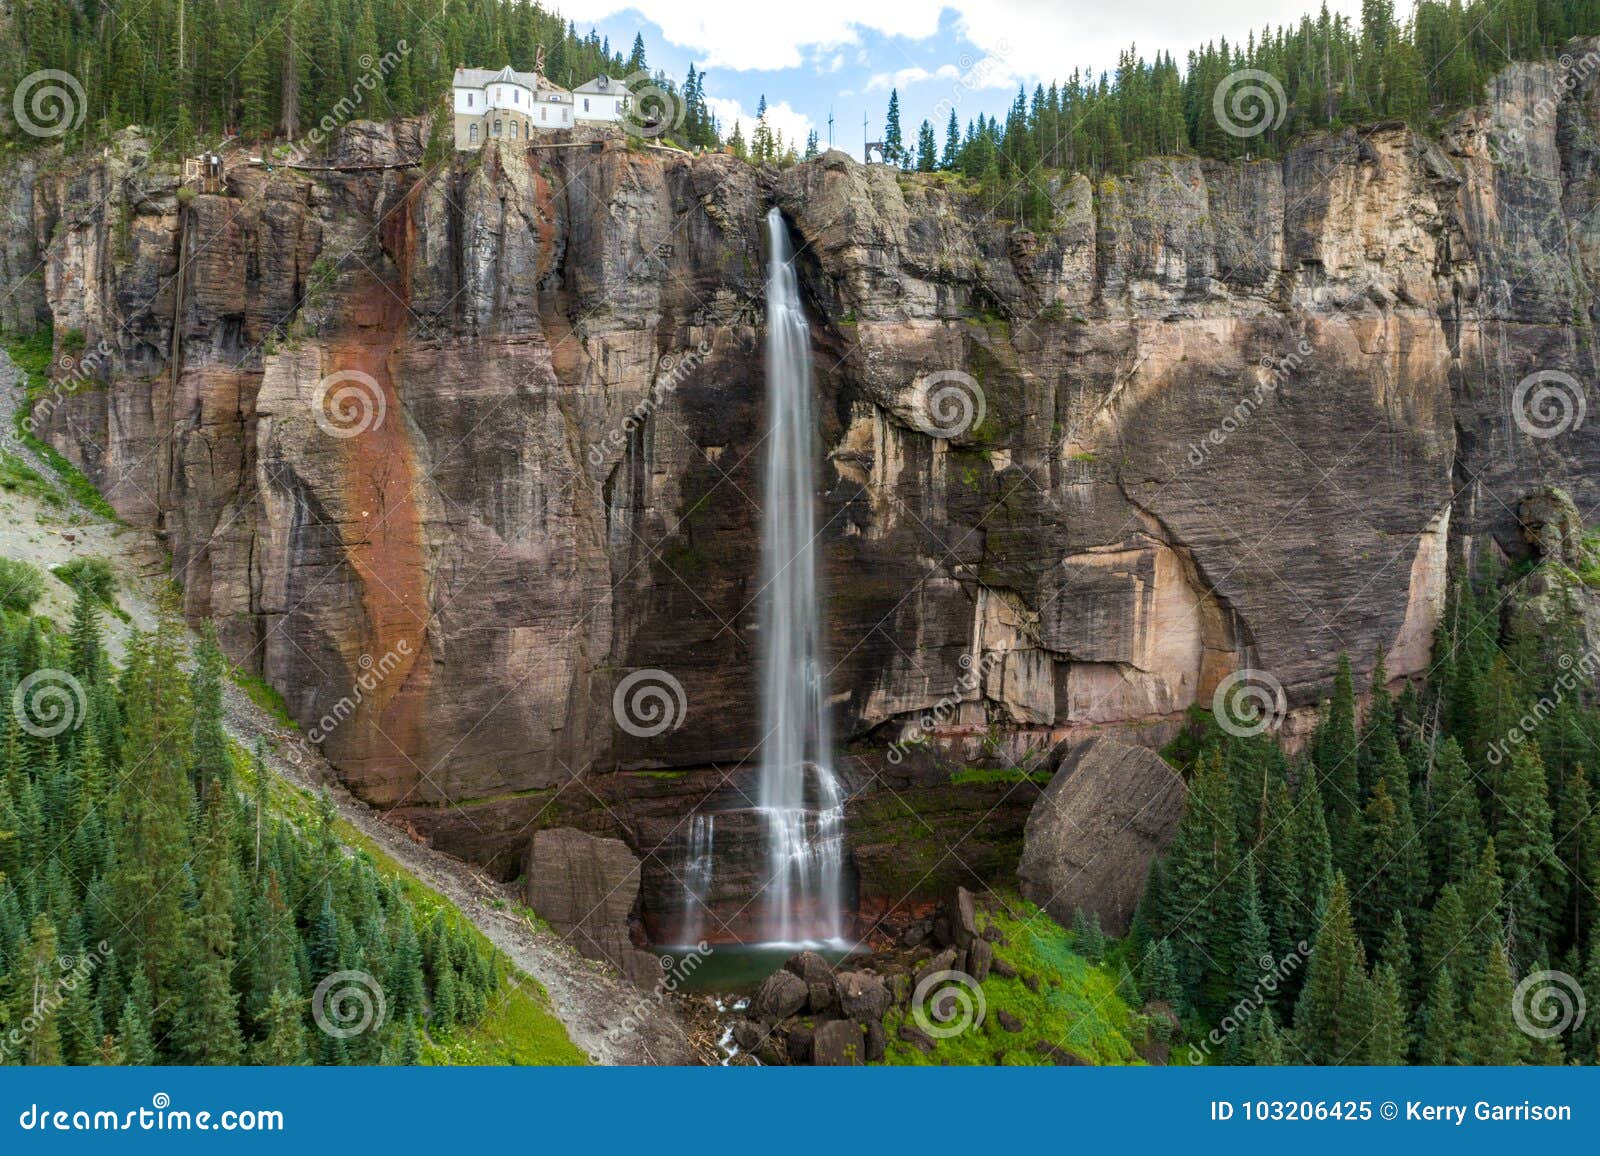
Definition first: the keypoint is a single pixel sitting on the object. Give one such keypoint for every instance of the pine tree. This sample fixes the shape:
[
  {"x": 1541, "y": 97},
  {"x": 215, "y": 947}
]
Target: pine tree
[
  {"x": 133, "y": 1033},
  {"x": 405, "y": 970},
  {"x": 1482, "y": 896},
  {"x": 1440, "y": 1037},
  {"x": 927, "y": 149},
  {"x": 1397, "y": 954},
  {"x": 36, "y": 993},
  {"x": 1283, "y": 908},
  {"x": 152, "y": 806},
  {"x": 1331, "y": 1019},
  {"x": 1526, "y": 849},
  {"x": 1378, "y": 750},
  {"x": 285, "y": 1042},
  {"x": 1454, "y": 824},
  {"x": 210, "y": 1021},
  {"x": 763, "y": 145},
  {"x": 1253, "y": 959},
  {"x": 1314, "y": 855},
  {"x": 950, "y": 159},
  {"x": 1264, "y": 1044},
  {"x": 209, "y": 745},
  {"x": 1197, "y": 905},
  {"x": 1392, "y": 874},
  {"x": 1577, "y": 845},
  {"x": 893, "y": 142},
  {"x": 1088, "y": 938},
  {"x": 86, "y": 650},
  {"x": 1388, "y": 1043},
  {"x": 1335, "y": 754},
  {"x": 1493, "y": 1037},
  {"x": 1447, "y": 939},
  {"x": 1159, "y": 980}
]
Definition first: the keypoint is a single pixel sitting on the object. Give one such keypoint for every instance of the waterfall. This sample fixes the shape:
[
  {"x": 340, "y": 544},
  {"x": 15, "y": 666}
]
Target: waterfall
[
  {"x": 697, "y": 877},
  {"x": 799, "y": 797}
]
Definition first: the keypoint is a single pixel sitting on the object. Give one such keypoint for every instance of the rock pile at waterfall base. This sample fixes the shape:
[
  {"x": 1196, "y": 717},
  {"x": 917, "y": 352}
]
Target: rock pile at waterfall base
[{"x": 985, "y": 982}]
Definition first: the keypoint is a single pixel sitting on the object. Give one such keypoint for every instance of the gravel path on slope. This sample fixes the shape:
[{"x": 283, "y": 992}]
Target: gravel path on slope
[{"x": 612, "y": 1020}]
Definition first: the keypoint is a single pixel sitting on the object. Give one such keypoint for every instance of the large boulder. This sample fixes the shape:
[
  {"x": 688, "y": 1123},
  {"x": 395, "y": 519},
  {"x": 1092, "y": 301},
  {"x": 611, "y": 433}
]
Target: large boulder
[
  {"x": 1109, "y": 809},
  {"x": 586, "y": 888},
  {"x": 839, "y": 1044},
  {"x": 781, "y": 995},
  {"x": 818, "y": 976},
  {"x": 862, "y": 996}
]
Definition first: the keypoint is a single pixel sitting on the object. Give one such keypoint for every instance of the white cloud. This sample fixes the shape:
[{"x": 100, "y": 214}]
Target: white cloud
[
  {"x": 793, "y": 125},
  {"x": 737, "y": 35},
  {"x": 977, "y": 76},
  {"x": 1038, "y": 39}
]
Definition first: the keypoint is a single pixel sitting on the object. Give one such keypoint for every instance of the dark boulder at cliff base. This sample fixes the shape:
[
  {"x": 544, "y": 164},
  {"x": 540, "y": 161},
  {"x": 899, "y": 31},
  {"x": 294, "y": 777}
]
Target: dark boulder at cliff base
[
  {"x": 1088, "y": 844},
  {"x": 586, "y": 887}
]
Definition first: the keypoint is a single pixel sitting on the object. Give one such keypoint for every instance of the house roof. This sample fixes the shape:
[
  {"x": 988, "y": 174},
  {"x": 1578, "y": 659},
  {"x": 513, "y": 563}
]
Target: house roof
[
  {"x": 480, "y": 77},
  {"x": 602, "y": 83}
]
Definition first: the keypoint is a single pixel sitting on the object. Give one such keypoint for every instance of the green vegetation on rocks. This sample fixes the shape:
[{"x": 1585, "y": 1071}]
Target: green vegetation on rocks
[{"x": 1059, "y": 999}]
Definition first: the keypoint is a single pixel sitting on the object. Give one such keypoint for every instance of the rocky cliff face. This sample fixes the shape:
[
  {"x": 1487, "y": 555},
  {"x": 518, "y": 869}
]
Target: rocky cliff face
[{"x": 448, "y": 456}]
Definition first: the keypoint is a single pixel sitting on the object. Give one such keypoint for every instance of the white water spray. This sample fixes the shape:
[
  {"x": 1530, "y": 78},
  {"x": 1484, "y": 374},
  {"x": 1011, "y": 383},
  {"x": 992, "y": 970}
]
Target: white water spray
[
  {"x": 697, "y": 876},
  {"x": 799, "y": 797}
]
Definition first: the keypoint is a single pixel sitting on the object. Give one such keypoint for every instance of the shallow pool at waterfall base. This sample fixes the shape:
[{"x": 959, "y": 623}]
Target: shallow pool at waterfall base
[{"x": 738, "y": 968}]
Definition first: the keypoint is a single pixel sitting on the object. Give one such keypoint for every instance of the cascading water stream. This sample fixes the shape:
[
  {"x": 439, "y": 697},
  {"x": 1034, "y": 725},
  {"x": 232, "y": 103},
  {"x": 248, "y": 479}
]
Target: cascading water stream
[
  {"x": 697, "y": 876},
  {"x": 799, "y": 797}
]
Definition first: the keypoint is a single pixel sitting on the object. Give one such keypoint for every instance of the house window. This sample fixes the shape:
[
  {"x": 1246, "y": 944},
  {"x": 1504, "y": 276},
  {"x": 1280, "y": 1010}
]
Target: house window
[
  {"x": 496, "y": 128},
  {"x": 563, "y": 116},
  {"x": 516, "y": 97},
  {"x": 544, "y": 114},
  {"x": 586, "y": 104},
  {"x": 472, "y": 133},
  {"x": 469, "y": 100},
  {"x": 513, "y": 130}
]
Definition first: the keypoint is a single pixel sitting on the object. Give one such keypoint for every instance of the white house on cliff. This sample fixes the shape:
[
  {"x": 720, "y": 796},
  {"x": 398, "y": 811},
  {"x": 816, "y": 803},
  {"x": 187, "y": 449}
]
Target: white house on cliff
[{"x": 511, "y": 105}]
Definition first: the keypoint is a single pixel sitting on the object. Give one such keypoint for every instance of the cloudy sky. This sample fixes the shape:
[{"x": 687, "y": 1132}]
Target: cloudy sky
[{"x": 844, "y": 56}]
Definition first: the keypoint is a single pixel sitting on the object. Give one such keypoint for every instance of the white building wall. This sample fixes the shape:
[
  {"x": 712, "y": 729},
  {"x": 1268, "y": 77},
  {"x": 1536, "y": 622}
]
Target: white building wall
[
  {"x": 597, "y": 106},
  {"x": 476, "y": 101}
]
